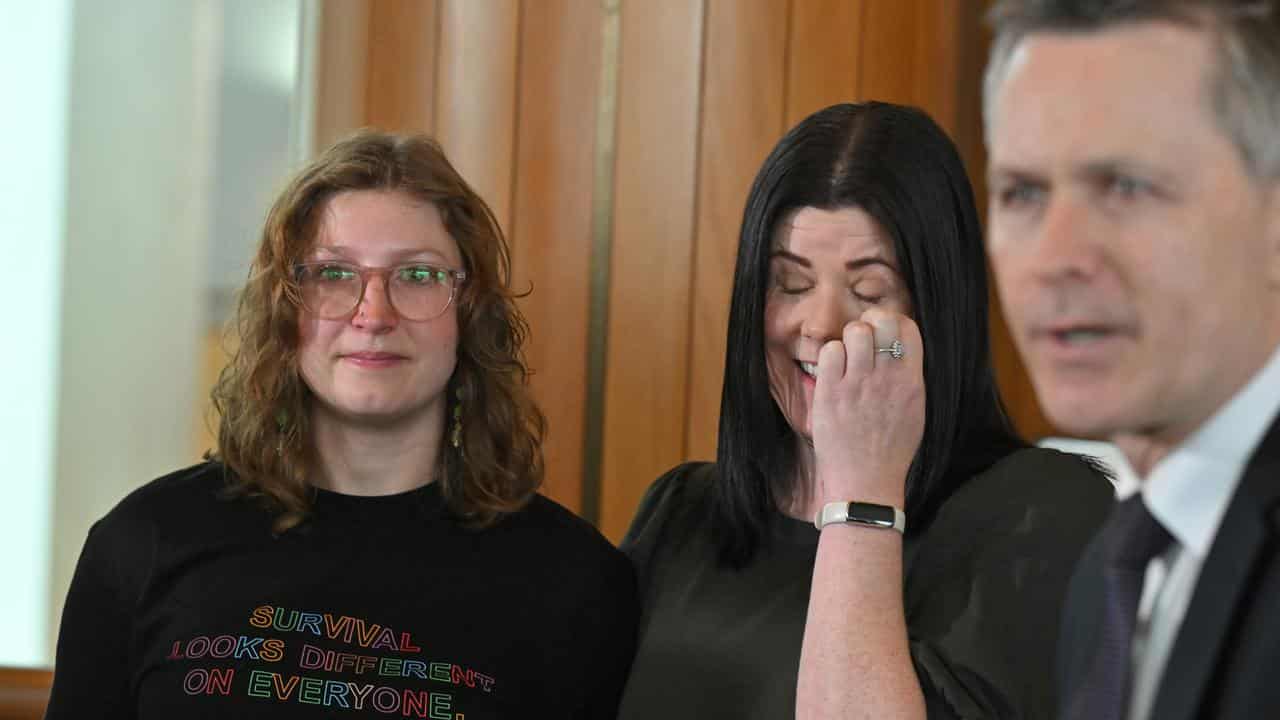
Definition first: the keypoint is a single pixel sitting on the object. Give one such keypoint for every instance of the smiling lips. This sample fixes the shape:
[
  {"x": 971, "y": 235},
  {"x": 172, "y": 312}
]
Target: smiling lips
[{"x": 373, "y": 360}]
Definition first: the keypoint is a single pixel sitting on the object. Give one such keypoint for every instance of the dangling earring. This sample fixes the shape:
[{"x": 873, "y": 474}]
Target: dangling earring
[
  {"x": 282, "y": 424},
  {"x": 455, "y": 436}
]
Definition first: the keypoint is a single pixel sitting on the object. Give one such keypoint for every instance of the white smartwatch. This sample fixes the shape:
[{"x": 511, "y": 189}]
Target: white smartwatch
[{"x": 885, "y": 517}]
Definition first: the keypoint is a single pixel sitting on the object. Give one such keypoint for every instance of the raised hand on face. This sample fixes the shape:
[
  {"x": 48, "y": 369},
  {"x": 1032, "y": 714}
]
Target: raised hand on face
[{"x": 868, "y": 410}]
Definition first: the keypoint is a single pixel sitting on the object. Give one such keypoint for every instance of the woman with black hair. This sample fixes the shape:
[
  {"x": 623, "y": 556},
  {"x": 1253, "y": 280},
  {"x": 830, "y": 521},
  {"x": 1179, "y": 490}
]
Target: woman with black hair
[{"x": 859, "y": 398}]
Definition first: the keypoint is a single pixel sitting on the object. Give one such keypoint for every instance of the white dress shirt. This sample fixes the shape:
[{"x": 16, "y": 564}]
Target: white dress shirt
[{"x": 1188, "y": 492}]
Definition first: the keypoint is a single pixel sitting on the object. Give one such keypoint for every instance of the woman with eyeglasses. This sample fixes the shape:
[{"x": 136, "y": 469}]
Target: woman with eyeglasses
[
  {"x": 873, "y": 539},
  {"x": 367, "y": 538}
]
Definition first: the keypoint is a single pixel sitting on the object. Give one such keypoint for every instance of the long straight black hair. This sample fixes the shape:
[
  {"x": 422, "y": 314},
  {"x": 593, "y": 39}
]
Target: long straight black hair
[{"x": 899, "y": 167}]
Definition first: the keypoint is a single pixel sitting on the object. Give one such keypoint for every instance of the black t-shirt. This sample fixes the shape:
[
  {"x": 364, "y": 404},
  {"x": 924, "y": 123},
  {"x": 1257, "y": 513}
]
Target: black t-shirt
[
  {"x": 184, "y": 605},
  {"x": 983, "y": 588}
]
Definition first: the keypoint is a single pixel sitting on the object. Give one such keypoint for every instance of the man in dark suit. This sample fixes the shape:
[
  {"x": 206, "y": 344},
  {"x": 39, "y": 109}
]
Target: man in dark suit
[{"x": 1135, "y": 234}]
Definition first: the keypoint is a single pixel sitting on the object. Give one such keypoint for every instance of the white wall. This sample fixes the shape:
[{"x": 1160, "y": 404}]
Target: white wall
[
  {"x": 35, "y": 50},
  {"x": 143, "y": 82},
  {"x": 255, "y": 91},
  {"x": 144, "y": 142}
]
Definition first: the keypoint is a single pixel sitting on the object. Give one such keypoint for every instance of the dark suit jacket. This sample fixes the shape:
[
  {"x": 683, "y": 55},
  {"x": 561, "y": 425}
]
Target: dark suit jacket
[{"x": 1225, "y": 661}]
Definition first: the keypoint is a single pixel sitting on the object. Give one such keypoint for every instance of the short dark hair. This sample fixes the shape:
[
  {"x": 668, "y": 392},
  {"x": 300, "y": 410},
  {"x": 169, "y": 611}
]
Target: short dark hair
[
  {"x": 1243, "y": 89},
  {"x": 899, "y": 167}
]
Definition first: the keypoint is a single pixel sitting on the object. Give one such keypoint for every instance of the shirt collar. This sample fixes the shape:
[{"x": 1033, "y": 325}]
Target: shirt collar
[{"x": 1188, "y": 491}]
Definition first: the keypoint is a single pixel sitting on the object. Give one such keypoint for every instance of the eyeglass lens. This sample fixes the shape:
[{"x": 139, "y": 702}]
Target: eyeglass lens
[{"x": 333, "y": 290}]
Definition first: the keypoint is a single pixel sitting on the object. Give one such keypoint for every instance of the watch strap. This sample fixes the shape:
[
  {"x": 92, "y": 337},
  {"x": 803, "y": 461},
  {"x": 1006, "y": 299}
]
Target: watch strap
[{"x": 885, "y": 517}]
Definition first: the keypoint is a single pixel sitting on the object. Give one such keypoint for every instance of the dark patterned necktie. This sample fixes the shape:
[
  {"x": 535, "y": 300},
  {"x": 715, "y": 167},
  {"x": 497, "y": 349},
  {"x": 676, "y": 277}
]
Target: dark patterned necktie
[{"x": 1129, "y": 540}]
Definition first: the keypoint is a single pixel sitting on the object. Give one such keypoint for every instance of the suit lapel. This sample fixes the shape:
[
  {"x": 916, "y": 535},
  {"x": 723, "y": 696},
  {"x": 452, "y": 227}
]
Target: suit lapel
[
  {"x": 1222, "y": 589},
  {"x": 1078, "y": 632}
]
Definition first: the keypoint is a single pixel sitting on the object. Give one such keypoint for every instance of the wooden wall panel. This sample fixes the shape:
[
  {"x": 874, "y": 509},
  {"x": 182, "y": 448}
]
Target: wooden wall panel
[
  {"x": 476, "y": 90},
  {"x": 654, "y": 187},
  {"x": 971, "y": 43},
  {"x": 554, "y": 195},
  {"x": 515, "y": 88},
  {"x": 823, "y": 55},
  {"x": 400, "y": 77},
  {"x": 341, "y": 58},
  {"x": 886, "y": 69},
  {"x": 935, "y": 79},
  {"x": 743, "y": 98},
  {"x": 24, "y": 692}
]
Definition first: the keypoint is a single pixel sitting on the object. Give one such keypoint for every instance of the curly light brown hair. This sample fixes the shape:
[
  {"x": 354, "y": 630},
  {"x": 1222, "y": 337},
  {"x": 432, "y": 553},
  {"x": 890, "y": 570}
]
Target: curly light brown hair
[{"x": 263, "y": 435}]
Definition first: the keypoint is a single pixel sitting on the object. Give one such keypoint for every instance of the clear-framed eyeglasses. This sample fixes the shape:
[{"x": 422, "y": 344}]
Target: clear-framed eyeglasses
[{"x": 332, "y": 289}]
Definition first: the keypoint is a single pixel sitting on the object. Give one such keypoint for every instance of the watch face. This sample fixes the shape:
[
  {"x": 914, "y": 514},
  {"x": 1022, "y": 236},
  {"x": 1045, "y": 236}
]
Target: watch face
[{"x": 871, "y": 514}]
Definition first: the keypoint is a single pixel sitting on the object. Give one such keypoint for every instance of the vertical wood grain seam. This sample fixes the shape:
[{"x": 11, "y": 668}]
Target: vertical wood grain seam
[
  {"x": 694, "y": 239},
  {"x": 786, "y": 65},
  {"x": 513, "y": 161},
  {"x": 860, "y": 86},
  {"x": 372, "y": 10},
  {"x": 601, "y": 255},
  {"x": 436, "y": 32}
]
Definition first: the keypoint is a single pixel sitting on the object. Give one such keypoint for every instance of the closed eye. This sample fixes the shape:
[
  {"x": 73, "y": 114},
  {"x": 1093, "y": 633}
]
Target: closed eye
[{"x": 789, "y": 282}]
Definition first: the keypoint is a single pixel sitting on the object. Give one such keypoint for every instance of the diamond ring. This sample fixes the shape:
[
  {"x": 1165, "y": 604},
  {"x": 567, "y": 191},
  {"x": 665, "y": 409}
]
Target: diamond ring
[{"x": 895, "y": 350}]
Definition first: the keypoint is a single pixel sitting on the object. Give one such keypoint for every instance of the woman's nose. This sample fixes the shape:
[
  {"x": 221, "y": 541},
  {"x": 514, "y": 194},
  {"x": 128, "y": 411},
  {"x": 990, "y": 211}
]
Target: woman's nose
[
  {"x": 825, "y": 315},
  {"x": 375, "y": 312}
]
